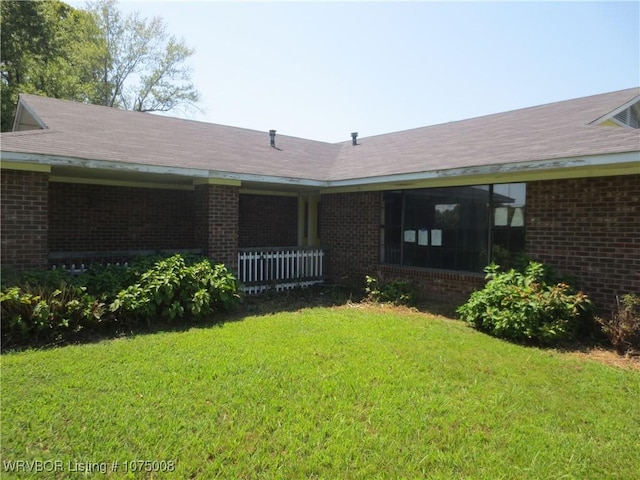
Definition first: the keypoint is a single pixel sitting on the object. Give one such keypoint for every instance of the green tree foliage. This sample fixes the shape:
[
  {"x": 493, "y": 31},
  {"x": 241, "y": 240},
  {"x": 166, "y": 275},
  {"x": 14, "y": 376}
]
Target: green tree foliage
[
  {"x": 143, "y": 68},
  {"x": 95, "y": 56},
  {"x": 47, "y": 48}
]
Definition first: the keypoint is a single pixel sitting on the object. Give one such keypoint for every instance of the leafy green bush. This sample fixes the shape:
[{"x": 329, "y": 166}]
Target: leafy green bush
[
  {"x": 42, "y": 313},
  {"x": 173, "y": 289},
  {"x": 46, "y": 305},
  {"x": 526, "y": 305},
  {"x": 398, "y": 292},
  {"x": 40, "y": 278},
  {"x": 623, "y": 327}
]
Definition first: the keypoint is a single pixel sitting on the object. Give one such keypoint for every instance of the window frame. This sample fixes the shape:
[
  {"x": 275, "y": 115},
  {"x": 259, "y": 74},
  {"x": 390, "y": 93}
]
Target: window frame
[{"x": 393, "y": 250}]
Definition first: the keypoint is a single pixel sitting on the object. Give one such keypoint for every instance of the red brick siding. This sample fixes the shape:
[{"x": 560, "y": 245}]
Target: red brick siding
[
  {"x": 588, "y": 229},
  {"x": 350, "y": 226},
  {"x": 350, "y": 231},
  {"x": 106, "y": 218},
  {"x": 217, "y": 208},
  {"x": 24, "y": 218},
  {"x": 268, "y": 221},
  {"x": 440, "y": 285}
]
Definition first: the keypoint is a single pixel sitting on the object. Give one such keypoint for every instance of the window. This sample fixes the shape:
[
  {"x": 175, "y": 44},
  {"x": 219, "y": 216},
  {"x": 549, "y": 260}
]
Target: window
[
  {"x": 458, "y": 228},
  {"x": 507, "y": 229}
]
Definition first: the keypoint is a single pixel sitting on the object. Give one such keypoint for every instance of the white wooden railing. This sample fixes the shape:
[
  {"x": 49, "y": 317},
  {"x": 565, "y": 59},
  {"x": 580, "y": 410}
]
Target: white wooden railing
[{"x": 260, "y": 269}]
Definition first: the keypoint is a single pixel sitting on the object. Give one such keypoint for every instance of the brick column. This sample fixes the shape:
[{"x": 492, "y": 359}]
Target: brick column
[
  {"x": 350, "y": 231},
  {"x": 217, "y": 216},
  {"x": 24, "y": 218}
]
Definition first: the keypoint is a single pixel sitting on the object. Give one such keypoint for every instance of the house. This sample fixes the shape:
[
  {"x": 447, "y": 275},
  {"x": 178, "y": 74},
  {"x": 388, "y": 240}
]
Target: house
[{"x": 558, "y": 182}]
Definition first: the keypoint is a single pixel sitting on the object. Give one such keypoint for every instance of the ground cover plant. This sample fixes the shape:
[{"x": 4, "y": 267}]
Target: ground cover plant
[
  {"x": 44, "y": 307},
  {"x": 396, "y": 292},
  {"x": 344, "y": 392}
]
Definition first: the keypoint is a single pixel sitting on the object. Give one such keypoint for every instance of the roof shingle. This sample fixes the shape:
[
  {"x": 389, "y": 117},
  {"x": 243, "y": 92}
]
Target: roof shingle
[{"x": 546, "y": 132}]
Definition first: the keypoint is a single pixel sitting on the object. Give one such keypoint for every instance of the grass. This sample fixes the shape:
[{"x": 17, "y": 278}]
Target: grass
[{"x": 344, "y": 392}]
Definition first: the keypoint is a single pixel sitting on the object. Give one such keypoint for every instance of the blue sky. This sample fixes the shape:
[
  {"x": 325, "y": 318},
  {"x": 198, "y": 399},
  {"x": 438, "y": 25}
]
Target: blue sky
[{"x": 322, "y": 70}]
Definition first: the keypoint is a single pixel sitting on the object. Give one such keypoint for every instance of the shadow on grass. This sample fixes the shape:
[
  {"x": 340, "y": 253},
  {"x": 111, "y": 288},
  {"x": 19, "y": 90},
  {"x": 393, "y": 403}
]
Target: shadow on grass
[
  {"x": 272, "y": 302},
  {"x": 268, "y": 303}
]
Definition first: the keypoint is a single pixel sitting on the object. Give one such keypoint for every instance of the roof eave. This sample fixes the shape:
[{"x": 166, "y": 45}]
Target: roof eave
[
  {"x": 624, "y": 163},
  {"x": 43, "y": 162}
]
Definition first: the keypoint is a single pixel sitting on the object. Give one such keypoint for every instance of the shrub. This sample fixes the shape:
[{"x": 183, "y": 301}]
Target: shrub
[
  {"x": 47, "y": 305},
  {"x": 398, "y": 292},
  {"x": 42, "y": 313},
  {"x": 526, "y": 305},
  {"x": 107, "y": 280},
  {"x": 40, "y": 278},
  {"x": 173, "y": 289},
  {"x": 623, "y": 327}
]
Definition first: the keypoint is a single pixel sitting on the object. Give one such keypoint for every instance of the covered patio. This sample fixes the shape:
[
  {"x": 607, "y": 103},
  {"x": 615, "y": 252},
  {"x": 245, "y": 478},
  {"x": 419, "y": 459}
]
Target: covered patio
[{"x": 270, "y": 238}]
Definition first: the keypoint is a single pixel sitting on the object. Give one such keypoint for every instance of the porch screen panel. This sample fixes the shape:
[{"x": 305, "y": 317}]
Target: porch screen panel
[
  {"x": 455, "y": 228},
  {"x": 450, "y": 225},
  {"x": 507, "y": 231}
]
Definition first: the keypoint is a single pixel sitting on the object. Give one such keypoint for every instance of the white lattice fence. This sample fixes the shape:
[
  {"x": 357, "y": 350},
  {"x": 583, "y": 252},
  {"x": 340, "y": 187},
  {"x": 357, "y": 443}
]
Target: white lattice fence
[{"x": 280, "y": 269}]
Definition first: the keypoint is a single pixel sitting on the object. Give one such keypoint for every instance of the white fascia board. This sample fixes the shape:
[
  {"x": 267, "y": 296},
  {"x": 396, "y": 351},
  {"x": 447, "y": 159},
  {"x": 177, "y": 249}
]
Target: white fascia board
[
  {"x": 626, "y": 159},
  {"x": 627, "y": 162},
  {"x": 61, "y": 161},
  {"x": 271, "y": 193},
  {"x": 268, "y": 179}
]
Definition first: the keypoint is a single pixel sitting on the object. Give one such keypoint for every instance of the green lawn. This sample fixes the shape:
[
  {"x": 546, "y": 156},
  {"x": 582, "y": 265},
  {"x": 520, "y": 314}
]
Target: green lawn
[{"x": 346, "y": 392}]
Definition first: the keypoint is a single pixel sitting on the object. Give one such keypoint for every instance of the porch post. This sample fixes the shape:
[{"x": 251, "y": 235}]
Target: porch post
[
  {"x": 308, "y": 220},
  {"x": 312, "y": 219},
  {"x": 302, "y": 211},
  {"x": 218, "y": 219}
]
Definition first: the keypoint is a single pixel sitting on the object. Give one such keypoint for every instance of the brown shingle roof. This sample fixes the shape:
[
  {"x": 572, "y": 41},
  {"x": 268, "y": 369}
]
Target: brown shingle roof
[
  {"x": 94, "y": 132},
  {"x": 547, "y": 132}
]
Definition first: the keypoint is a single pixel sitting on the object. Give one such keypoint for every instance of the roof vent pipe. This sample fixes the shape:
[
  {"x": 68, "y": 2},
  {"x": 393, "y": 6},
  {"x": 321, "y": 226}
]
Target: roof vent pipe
[
  {"x": 354, "y": 138},
  {"x": 272, "y": 135}
]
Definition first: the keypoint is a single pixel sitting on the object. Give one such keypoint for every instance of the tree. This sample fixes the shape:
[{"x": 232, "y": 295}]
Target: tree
[
  {"x": 47, "y": 48},
  {"x": 143, "y": 68}
]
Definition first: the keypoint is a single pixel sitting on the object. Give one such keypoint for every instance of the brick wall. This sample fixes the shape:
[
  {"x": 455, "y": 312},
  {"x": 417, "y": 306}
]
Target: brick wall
[
  {"x": 217, "y": 208},
  {"x": 350, "y": 230},
  {"x": 106, "y": 218},
  {"x": 24, "y": 218},
  {"x": 268, "y": 221},
  {"x": 443, "y": 286},
  {"x": 589, "y": 229}
]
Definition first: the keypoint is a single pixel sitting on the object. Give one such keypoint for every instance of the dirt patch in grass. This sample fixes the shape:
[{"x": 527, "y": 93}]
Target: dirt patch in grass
[{"x": 608, "y": 357}]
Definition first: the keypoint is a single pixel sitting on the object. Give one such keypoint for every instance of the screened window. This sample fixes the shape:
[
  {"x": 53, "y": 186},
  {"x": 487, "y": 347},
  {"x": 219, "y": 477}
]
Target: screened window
[{"x": 457, "y": 228}]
